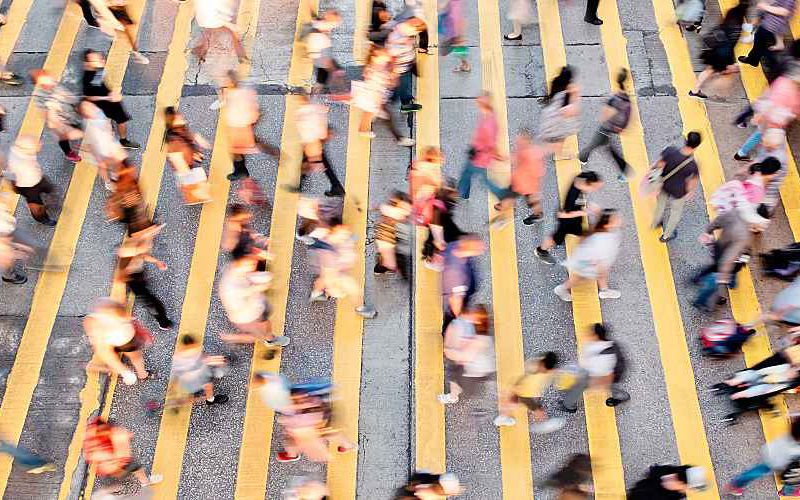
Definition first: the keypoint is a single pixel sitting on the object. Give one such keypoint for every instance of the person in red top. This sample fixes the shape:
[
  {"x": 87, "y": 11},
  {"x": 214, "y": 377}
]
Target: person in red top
[
  {"x": 483, "y": 150},
  {"x": 526, "y": 180}
]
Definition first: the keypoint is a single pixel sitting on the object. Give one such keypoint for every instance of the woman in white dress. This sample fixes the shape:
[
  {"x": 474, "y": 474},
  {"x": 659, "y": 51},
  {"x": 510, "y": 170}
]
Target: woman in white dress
[{"x": 520, "y": 13}]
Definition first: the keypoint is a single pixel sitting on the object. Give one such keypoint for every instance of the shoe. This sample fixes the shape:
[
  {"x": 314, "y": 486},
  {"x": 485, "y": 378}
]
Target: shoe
[
  {"x": 433, "y": 266},
  {"x": 732, "y": 490},
  {"x": 532, "y": 219},
  {"x": 622, "y": 178},
  {"x": 410, "y": 108},
  {"x": 563, "y": 293},
  {"x": 544, "y": 256},
  {"x": 218, "y": 399},
  {"x": 235, "y": 176},
  {"x": 369, "y": 134},
  {"x": 513, "y": 38},
  {"x": 334, "y": 193},
  {"x": 73, "y": 157},
  {"x": 10, "y": 78},
  {"x": 739, "y": 157},
  {"x": 742, "y": 125},
  {"x": 366, "y": 312},
  {"x": 17, "y": 279},
  {"x": 549, "y": 425},
  {"x": 42, "y": 468},
  {"x": 664, "y": 238},
  {"x": 596, "y": 21},
  {"x": 566, "y": 409},
  {"x": 698, "y": 95},
  {"x": 612, "y": 402},
  {"x": 167, "y": 325},
  {"x": 503, "y": 421},
  {"x": 139, "y": 58},
  {"x": 406, "y": 142},
  {"x": 283, "y": 456},
  {"x": 279, "y": 341},
  {"x": 447, "y": 399},
  {"x": 154, "y": 479},
  {"x": 608, "y": 293},
  {"x": 743, "y": 60},
  {"x": 125, "y": 143},
  {"x": 49, "y": 222},
  {"x": 499, "y": 223},
  {"x": 317, "y": 296},
  {"x": 583, "y": 162},
  {"x": 721, "y": 301}
]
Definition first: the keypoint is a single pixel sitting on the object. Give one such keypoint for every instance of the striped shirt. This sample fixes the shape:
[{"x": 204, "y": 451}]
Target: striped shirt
[{"x": 778, "y": 25}]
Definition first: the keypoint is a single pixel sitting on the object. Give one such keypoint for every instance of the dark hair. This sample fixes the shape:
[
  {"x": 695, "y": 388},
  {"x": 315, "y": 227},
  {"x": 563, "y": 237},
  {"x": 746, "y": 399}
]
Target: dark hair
[
  {"x": 188, "y": 340},
  {"x": 400, "y": 196},
  {"x": 601, "y": 225},
  {"x": 794, "y": 49},
  {"x": 767, "y": 167},
  {"x": 589, "y": 176},
  {"x": 549, "y": 360},
  {"x": 600, "y": 331},
  {"x": 735, "y": 15},
  {"x": 238, "y": 208},
  {"x": 560, "y": 82},
  {"x": 622, "y": 76},
  {"x": 693, "y": 139},
  {"x": 482, "y": 326}
]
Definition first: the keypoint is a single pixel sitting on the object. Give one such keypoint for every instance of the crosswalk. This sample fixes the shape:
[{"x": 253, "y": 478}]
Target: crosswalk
[{"x": 691, "y": 428}]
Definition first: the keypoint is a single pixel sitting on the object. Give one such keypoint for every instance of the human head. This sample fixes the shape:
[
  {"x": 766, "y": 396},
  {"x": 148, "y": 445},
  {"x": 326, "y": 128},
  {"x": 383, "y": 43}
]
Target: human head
[
  {"x": 328, "y": 20},
  {"x": 598, "y": 331},
  {"x": 561, "y": 81},
  {"x": 622, "y": 77},
  {"x": 693, "y": 140},
  {"x": 767, "y": 168},
  {"x": 188, "y": 340},
  {"x": 609, "y": 219},
  {"x": 545, "y": 361},
  {"x": 432, "y": 154},
  {"x": 173, "y": 117},
  {"x": 735, "y": 15},
  {"x": 588, "y": 181},
  {"x": 93, "y": 59}
]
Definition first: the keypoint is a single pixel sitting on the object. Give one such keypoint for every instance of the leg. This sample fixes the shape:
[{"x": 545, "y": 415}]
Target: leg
[
  {"x": 744, "y": 117},
  {"x": 598, "y": 139},
  {"x": 465, "y": 180},
  {"x": 404, "y": 88},
  {"x": 239, "y": 168},
  {"x": 517, "y": 30},
  {"x": 201, "y": 47},
  {"x": 131, "y": 37},
  {"x": 658, "y": 213},
  {"x": 336, "y": 186},
  {"x": 137, "y": 360},
  {"x": 122, "y": 131},
  {"x": 237, "y": 44},
  {"x": 762, "y": 41},
  {"x": 616, "y": 154},
  {"x": 750, "y": 144},
  {"x": 573, "y": 394},
  {"x": 21, "y": 456},
  {"x": 702, "y": 78},
  {"x": 675, "y": 212},
  {"x": 750, "y": 475},
  {"x": 591, "y": 10},
  {"x": 153, "y": 305}
]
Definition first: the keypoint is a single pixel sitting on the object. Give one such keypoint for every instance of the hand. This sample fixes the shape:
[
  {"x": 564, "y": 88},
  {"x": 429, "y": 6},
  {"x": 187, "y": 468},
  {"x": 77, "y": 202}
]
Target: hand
[
  {"x": 161, "y": 265},
  {"x": 706, "y": 239}
]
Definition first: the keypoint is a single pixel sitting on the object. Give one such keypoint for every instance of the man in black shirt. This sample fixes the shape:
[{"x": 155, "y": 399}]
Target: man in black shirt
[
  {"x": 680, "y": 179},
  {"x": 96, "y": 91},
  {"x": 668, "y": 482},
  {"x": 570, "y": 217}
]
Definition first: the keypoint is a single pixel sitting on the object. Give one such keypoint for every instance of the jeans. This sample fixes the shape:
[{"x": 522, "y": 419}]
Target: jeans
[
  {"x": 750, "y": 475},
  {"x": 750, "y": 144},
  {"x": 603, "y": 138},
  {"x": 22, "y": 456},
  {"x": 762, "y": 41},
  {"x": 707, "y": 295},
  {"x": 404, "y": 90},
  {"x": 675, "y": 212},
  {"x": 465, "y": 181}
]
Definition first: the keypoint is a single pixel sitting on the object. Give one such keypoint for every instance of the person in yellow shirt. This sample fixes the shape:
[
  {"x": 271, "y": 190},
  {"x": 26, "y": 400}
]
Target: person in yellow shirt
[{"x": 528, "y": 391}]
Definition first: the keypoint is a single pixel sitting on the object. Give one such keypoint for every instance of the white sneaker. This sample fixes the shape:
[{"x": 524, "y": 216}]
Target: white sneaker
[
  {"x": 433, "y": 266},
  {"x": 549, "y": 425},
  {"x": 563, "y": 293},
  {"x": 369, "y": 135},
  {"x": 139, "y": 58},
  {"x": 503, "y": 421},
  {"x": 406, "y": 142},
  {"x": 608, "y": 293},
  {"x": 215, "y": 105},
  {"x": 154, "y": 479},
  {"x": 447, "y": 399}
]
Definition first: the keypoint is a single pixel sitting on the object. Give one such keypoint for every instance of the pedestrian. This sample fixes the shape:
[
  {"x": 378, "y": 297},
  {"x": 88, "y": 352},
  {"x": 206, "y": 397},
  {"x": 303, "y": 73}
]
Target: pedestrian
[
  {"x": 593, "y": 257},
  {"x": 112, "y": 16},
  {"x": 100, "y": 143},
  {"x": 772, "y": 172},
  {"x": 392, "y": 236},
  {"x": 107, "y": 448},
  {"x": 520, "y": 13},
  {"x": 16, "y": 246},
  {"x": 306, "y": 488},
  {"x": 775, "y": 17},
  {"x": 438, "y": 214},
  {"x": 216, "y": 17},
  {"x": 777, "y": 108},
  {"x": 27, "y": 460},
  {"x": 459, "y": 279},
  {"x": 527, "y": 392},
  {"x": 678, "y": 177},
  {"x": 591, "y": 13},
  {"x": 25, "y": 175},
  {"x": 88, "y": 15},
  {"x": 452, "y": 30},
  {"x": 669, "y": 482},
  {"x": 785, "y": 308},
  {"x": 185, "y": 155},
  {"x": 527, "y": 172},
  {"x": 242, "y": 292},
  {"x": 569, "y": 220},
  {"x": 718, "y": 56},
  {"x": 126, "y": 202},
  {"x": 314, "y": 130},
  {"x": 428, "y": 486},
  {"x": 61, "y": 112},
  {"x": 112, "y": 331},
  {"x": 601, "y": 366},
  {"x": 240, "y": 238},
  {"x": 574, "y": 479},
  {"x": 561, "y": 115},
  {"x": 614, "y": 118},
  {"x": 97, "y": 92},
  {"x": 468, "y": 353},
  {"x": 372, "y": 93},
  {"x": 402, "y": 47},
  {"x": 380, "y": 23},
  {"x": 132, "y": 255},
  {"x": 192, "y": 371},
  {"x": 317, "y": 38},
  {"x": 483, "y": 151},
  {"x": 776, "y": 456}
]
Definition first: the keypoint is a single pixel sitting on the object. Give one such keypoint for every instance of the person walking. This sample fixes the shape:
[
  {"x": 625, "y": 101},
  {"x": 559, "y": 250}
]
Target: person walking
[
  {"x": 569, "y": 220},
  {"x": 113, "y": 16},
  {"x": 527, "y": 172},
  {"x": 678, "y": 175},
  {"x": 100, "y": 143},
  {"x": 26, "y": 177},
  {"x": 469, "y": 357},
  {"x": 402, "y": 47},
  {"x": 459, "y": 279},
  {"x": 185, "y": 155},
  {"x": 319, "y": 48},
  {"x": 520, "y": 13},
  {"x": 614, "y": 118},
  {"x": 593, "y": 257},
  {"x": 27, "y": 460},
  {"x": 16, "y": 246},
  {"x": 97, "y": 92},
  {"x": 591, "y": 13},
  {"x": 601, "y": 365},
  {"x": 314, "y": 130},
  {"x": 216, "y": 17},
  {"x": 561, "y": 115},
  {"x": 392, "y": 236},
  {"x": 192, "y": 370},
  {"x": 483, "y": 151},
  {"x": 61, "y": 113},
  {"x": 775, "y": 17},
  {"x": 452, "y": 30},
  {"x": 718, "y": 55},
  {"x": 669, "y": 482},
  {"x": 126, "y": 203}
]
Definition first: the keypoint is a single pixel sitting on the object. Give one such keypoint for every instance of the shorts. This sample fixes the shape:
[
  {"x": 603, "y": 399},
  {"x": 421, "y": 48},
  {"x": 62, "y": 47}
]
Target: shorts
[
  {"x": 533, "y": 404},
  {"x": 121, "y": 15},
  {"x": 573, "y": 225},
  {"x": 114, "y": 111},
  {"x": 33, "y": 194},
  {"x": 469, "y": 385}
]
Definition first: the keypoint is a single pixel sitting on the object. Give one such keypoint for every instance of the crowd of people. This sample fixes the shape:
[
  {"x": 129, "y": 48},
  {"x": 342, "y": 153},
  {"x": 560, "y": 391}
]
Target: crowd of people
[{"x": 91, "y": 124}]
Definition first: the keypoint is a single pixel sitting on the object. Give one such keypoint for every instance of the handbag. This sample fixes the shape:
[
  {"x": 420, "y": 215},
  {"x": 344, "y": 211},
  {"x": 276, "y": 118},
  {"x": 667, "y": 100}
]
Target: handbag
[{"x": 653, "y": 180}]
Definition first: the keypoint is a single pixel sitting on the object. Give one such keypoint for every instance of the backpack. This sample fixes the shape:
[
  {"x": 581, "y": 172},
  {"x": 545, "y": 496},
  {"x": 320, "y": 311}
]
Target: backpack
[
  {"x": 732, "y": 194},
  {"x": 715, "y": 38},
  {"x": 622, "y": 363},
  {"x": 622, "y": 104}
]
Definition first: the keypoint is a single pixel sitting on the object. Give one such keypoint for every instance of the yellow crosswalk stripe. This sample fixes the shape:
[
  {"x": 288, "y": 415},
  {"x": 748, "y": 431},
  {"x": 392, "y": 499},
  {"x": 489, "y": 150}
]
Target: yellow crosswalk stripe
[
  {"x": 49, "y": 289},
  {"x": 252, "y": 474},
  {"x": 16, "y": 17},
  {"x": 676, "y": 363},
  {"x": 348, "y": 328},
  {"x": 174, "y": 427},
  {"x": 428, "y": 360},
  {"x": 744, "y": 302},
  {"x": 515, "y": 453},
  {"x": 168, "y": 93},
  {"x": 601, "y": 425}
]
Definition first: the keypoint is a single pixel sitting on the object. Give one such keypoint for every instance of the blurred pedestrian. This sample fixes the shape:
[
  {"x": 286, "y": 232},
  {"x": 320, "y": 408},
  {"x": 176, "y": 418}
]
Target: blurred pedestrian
[
  {"x": 452, "y": 31},
  {"x": 61, "y": 112},
  {"x": 401, "y": 44},
  {"x": 216, "y": 17},
  {"x": 319, "y": 48},
  {"x": 775, "y": 17},
  {"x": 459, "y": 280},
  {"x": 520, "y": 13},
  {"x": 185, "y": 155},
  {"x": 527, "y": 172},
  {"x": 113, "y": 16},
  {"x": 678, "y": 177},
  {"x": 483, "y": 151},
  {"x": 427, "y": 486},
  {"x": 126, "y": 203},
  {"x": 669, "y": 482},
  {"x": 718, "y": 55},
  {"x": 574, "y": 479},
  {"x": 97, "y": 92},
  {"x": 99, "y": 142},
  {"x": 469, "y": 354},
  {"x": 306, "y": 488},
  {"x": 241, "y": 239},
  {"x": 27, "y": 460},
  {"x": 311, "y": 119},
  {"x": 25, "y": 174},
  {"x": 16, "y": 246},
  {"x": 392, "y": 236},
  {"x": 193, "y": 371},
  {"x": 561, "y": 115}
]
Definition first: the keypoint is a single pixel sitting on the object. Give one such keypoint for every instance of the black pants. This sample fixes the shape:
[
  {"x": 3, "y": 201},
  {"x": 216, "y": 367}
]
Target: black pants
[
  {"x": 239, "y": 166},
  {"x": 88, "y": 15},
  {"x": 762, "y": 41},
  {"x": 591, "y": 9},
  {"x": 603, "y": 138},
  {"x": 138, "y": 285},
  {"x": 336, "y": 185}
]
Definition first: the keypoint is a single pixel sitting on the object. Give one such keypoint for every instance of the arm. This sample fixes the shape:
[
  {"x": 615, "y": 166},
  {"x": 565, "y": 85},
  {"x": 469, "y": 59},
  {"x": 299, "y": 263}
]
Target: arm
[
  {"x": 778, "y": 11},
  {"x": 159, "y": 264},
  {"x": 104, "y": 351},
  {"x": 456, "y": 302}
]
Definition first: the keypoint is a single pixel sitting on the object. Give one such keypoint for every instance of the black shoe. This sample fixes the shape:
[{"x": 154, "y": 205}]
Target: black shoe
[
  {"x": 410, "y": 108},
  {"x": 49, "y": 222},
  {"x": 596, "y": 21},
  {"x": 532, "y": 219},
  {"x": 663, "y": 238},
  {"x": 565, "y": 409},
  {"x": 334, "y": 193},
  {"x": 739, "y": 157},
  {"x": 166, "y": 325},
  {"x": 544, "y": 256},
  {"x": 698, "y": 94},
  {"x": 513, "y": 38},
  {"x": 236, "y": 176},
  {"x": 613, "y": 402},
  {"x": 125, "y": 143},
  {"x": 218, "y": 399},
  {"x": 744, "y": 60},
  {"x": 17, "y": 279}
]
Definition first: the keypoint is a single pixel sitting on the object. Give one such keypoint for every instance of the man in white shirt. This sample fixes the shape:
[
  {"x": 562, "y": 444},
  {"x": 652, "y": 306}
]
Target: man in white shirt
[
  {"x": 25, "y": 174},
  {"x": 216, "y": 16},
  {"x": 312, "y": 126}
]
